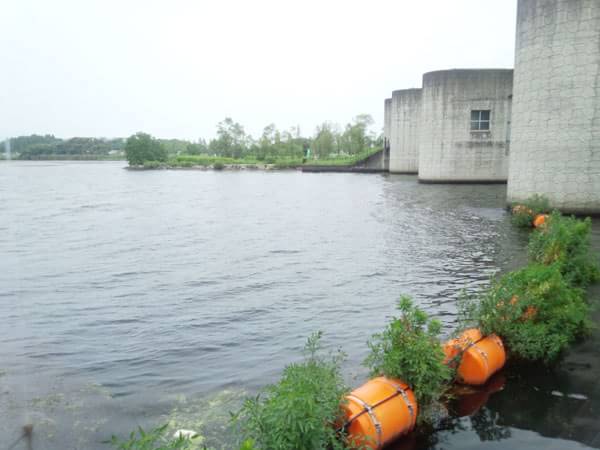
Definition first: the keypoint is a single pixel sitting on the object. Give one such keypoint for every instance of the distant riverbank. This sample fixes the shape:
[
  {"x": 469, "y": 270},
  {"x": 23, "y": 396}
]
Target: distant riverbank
[{"x": 206, "y": 162}]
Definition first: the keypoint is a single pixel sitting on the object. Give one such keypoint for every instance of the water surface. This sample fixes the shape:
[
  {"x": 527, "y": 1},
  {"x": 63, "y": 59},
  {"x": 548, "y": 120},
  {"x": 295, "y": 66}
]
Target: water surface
[{"x": 134, "y": 297}]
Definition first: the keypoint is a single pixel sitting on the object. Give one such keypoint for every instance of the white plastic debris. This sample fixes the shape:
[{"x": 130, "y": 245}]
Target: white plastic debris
[
  {"x": 189, "y": 434},
  {"x": 577, "y": 396}
]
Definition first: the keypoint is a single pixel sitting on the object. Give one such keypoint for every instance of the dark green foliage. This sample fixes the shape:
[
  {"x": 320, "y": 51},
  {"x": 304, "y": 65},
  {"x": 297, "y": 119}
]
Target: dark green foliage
[
  {"x": 525, "y": 212},
  {"x": 409, "y": 349},
  {"x": 566, "y": 242},
  {"x": 49, "y": 147},
  {"x": 535, "y": 311},
  {"x": 155, "y": 439},
  {"x": 142, "y": 147},
  {"x": 300, "y": 411}
]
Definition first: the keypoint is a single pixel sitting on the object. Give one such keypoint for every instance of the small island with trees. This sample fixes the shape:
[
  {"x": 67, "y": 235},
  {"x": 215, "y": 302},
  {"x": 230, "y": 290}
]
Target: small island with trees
[{"x": 232, "y": 148}]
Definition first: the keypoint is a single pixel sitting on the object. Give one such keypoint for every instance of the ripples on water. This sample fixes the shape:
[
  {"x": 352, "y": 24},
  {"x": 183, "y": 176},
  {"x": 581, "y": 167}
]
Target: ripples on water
[{"x": 123, "y": 291}]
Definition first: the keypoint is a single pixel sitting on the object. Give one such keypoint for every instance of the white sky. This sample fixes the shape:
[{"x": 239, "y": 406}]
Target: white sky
[{"x": 174, "y": 68}]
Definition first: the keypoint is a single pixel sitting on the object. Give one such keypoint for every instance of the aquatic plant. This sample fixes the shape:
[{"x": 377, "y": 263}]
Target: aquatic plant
[
  {"x": 534, "y": 310},
  {"x": 409, "y": 349},
  {"x": 155, "y": 439},
  {"x": 301, "y": 410},
  {"x": 523, "y": 213},
  {"x": 566, "y": 241}
]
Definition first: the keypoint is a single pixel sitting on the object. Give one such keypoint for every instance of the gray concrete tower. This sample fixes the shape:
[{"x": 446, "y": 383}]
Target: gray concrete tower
[
  {"x": 465, "y": 126},
  {"x": 555, "y": 145},
  {"x": 404, "y": 130}
]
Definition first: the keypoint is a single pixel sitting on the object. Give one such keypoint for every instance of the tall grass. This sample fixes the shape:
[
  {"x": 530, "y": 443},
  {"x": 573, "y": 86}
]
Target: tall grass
[
  {"x": 565, "y": 241},
  {"x": 302, "y": 409}
]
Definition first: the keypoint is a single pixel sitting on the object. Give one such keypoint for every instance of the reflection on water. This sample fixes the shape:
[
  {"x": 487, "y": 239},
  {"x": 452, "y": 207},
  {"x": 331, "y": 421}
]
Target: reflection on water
[{"x": 143, "y": 298}]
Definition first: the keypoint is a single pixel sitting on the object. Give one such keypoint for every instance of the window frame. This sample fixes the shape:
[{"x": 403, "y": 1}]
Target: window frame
[{"x": 479, "y": 121}]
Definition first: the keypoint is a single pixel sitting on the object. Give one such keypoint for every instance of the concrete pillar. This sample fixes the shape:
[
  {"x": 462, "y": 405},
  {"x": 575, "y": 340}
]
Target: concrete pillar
[
  {"x": 405, "y": 130},
  {"x": 453, "y": 148},
  {"x": 555, "y": 142}
]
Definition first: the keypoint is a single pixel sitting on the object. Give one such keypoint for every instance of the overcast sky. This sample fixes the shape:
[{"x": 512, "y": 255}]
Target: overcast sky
[{"x": 174, "y": 68}]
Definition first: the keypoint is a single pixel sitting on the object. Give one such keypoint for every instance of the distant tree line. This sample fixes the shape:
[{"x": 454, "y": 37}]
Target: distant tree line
[
  {"x": 231, "y": 141},
  {"x": 49, "y": 147}
]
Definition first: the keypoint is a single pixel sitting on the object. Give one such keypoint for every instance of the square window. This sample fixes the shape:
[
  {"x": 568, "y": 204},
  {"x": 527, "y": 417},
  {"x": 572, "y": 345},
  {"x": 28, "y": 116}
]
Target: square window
[{"x": 480, "y": 119}]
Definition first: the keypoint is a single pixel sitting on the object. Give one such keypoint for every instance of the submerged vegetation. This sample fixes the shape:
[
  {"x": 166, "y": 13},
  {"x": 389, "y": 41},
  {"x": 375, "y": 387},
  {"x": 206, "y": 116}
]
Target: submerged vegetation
[
  {"x": 409, "y": 349},
  {"x": 156, "y": 439}
]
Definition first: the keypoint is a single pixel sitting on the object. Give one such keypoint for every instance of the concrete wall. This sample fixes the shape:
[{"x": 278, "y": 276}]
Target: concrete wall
[
  {"x": 448, "y": 150},
  {"x": 387, "y": 118},
  {"x": 404, "y": 130},
  {"x": 555, "y": 149}
]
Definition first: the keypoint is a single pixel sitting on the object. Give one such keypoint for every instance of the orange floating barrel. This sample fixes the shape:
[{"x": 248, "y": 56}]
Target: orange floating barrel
[
  {"x": 380, "y": 411},
  {"x": 540, "y": 220},
  {"x": 481, "y": 360},
  {"x": 454, "y": 347}
]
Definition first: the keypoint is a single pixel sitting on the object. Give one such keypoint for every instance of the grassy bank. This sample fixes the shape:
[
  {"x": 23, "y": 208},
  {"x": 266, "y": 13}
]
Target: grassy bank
[
  {"x": 221, "y": 162},
  {"x": 347, "y": 160}
]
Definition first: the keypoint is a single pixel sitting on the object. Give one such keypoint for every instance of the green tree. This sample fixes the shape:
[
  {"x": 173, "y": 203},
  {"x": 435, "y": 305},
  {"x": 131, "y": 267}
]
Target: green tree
[
  {"x": 324, "y": 143},
  {"x": 357, "y": 137},
  {"x": 197, "y": 148},
  {"x": 142, "y": 147},
  {"x": 231, "y": 141}
]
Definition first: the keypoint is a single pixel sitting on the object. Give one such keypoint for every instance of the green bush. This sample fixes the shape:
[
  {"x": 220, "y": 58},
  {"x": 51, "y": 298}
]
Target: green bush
[
  {"x": 535, "y": 311},
  {"x": 566, "y": 242},
  {"x": 409, "y": 349},
  {"x": 300, "y": 411},
  {"x": 525, "y": 212},
  {"x": 141, "y": 148},
  {"x": 218, "y": 166}
]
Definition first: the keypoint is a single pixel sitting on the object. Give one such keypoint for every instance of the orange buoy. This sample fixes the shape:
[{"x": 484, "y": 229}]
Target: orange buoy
[
  {"x": 540, "y": 220},
  {"x": 454, "y": 347},
  {"x": 379, "y": 411},
  {"x": 481, "y": 360}
]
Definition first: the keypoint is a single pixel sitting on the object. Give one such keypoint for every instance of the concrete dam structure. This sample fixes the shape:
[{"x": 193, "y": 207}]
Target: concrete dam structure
[
  {"x": 555, "y": 148},
  {"x": 405, "y": 125},
  {"x": 537, "y": 128},
  {"x": 455, "y": 128},
  {"x": 466, "y": 114}
]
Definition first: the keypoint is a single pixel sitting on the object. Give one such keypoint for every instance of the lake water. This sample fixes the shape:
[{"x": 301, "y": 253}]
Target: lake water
[{"x": 133, "y": 298}]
